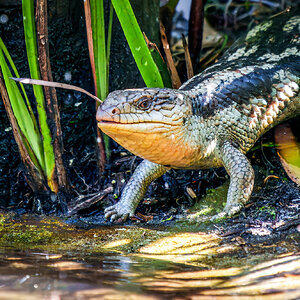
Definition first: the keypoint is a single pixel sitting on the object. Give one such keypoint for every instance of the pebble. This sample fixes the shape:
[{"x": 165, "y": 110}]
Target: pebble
[
  {"x": 68, "y": 76},
  {"x": 3, "y": 19}
]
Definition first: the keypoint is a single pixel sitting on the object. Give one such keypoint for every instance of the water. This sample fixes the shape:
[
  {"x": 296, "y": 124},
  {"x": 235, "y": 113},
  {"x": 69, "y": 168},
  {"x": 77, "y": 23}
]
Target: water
[
  {"x": 45, "y": 258},
  {"x": 37, "y": 274}
]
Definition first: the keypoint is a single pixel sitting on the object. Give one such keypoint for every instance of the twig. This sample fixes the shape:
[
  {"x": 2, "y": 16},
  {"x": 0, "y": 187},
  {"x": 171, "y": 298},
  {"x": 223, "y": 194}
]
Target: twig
[
  {"x": 268, "y": 178},
  {"x": 152, "y": 45},
  {"x": 80, "y": 203},
  {"x": 226, "y": 13},
  {"x": 188, "y": 62},
  {"x": 266, "y": 2},
  {"x": 196, "y": 29},
  {"x": 217, "y": 53},
  {"x": 174, "y": 75},
  {"x": 82, "y": 179},
  {"x": 282, "y": 12},
  {"x": 288, "y": 224},
  {"x": 56, "y": 85}
]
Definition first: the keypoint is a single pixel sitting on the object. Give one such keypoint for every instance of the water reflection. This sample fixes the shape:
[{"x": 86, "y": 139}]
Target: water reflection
[{"x": 41, "y": 275}]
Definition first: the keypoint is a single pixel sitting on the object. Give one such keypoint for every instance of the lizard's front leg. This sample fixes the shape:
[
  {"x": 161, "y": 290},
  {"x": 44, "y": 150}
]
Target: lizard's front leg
[
  {"x": 241, "y": 178},
  {"x": 135, "y": 190}
]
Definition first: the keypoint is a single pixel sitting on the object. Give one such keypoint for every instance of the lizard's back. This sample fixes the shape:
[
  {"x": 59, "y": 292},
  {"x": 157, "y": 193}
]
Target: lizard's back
[{"x": 255, "y": 85}]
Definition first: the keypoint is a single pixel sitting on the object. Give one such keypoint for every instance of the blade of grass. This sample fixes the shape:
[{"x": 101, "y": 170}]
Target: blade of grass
[
  {"x": 101, "y": 64},
  {"x": 8, "y": 57},
  {"x": 31, "y": 45},
  {"x": 22, "y": 115},
  {"x": 91, "y": 28},
  {"x": 32, "y": 167},
  {"x": 89, "y": 33},
  {"x": 100, "y": 55},
  {"x": 137, "y": 44},
  {"x": 94, "y": 38},
  {"x": 288, "y": 151},
  {"x": 108, "y": 43},
  {"x": 31, "y": 48},
  {"x": 31, "y": 158}
]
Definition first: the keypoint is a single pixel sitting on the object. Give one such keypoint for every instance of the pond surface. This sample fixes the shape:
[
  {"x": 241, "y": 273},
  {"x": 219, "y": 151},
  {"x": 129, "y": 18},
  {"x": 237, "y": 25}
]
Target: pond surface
[
  {"x": 46, "y": 258},
  {"x": 37, "y": 274}
]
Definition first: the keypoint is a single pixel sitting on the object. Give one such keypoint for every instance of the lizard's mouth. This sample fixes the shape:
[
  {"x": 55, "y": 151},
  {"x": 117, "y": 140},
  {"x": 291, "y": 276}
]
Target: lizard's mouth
[
  {"x": 108, "y": 122},
  {"x": 105, "y": 122},
  {"x": 114, "y": 125},
  {"x": 116, "y": 129},
  {"x": 104, "y": 118}
]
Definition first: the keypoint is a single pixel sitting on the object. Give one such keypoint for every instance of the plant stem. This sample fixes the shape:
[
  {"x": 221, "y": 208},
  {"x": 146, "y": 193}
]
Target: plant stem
[
  {"x": 48, "y": 163},
  {"x": 89, "y": 33},
  {"x": 50, "y": 97}
]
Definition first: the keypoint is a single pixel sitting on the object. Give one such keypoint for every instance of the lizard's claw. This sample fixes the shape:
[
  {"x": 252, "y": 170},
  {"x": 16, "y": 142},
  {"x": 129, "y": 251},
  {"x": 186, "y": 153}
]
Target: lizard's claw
[
  {"x": 117, "y": 211},
  {"x": 228, "y": 211}
]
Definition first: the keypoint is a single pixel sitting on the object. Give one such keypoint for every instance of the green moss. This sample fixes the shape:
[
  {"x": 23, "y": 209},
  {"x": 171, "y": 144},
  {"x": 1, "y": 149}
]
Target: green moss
[
  {"x": 27, "y": 235},
  {"x": 212, "y": 203},
  {"x": 2, "y": 221},
  {"x": 204, "y": 211},
  {"x": 210, "y": 192},
  {"x": 28, "y": 232},
  {"x": 270, "y": 210}
]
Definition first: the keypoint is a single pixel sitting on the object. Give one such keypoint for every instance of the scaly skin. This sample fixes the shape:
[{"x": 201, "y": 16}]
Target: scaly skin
[{"x": 214, "y": 118}]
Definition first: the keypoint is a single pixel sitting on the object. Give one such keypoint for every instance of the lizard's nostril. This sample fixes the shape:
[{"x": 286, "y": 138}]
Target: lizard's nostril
[{"x": 115, "y": 111}]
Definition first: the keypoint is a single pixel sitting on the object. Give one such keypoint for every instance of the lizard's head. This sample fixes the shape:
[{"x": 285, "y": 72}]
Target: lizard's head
[{"x": 148, "y": 122}]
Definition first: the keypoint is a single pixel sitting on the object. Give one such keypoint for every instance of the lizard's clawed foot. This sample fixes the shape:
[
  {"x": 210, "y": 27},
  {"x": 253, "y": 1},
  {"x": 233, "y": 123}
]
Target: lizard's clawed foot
[
  {"x": 118, "y": 211},
  {"x": 228, "y": 211}
]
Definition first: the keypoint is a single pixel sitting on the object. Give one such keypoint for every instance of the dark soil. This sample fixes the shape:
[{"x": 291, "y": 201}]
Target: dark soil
[{"x": 274, "y": 207}]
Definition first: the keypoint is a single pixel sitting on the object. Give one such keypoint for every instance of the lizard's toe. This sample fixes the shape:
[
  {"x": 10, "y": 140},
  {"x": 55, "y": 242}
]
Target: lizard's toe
[
  {"x": 228, "y": 211},
  {"x": 109, "y": 211},
  {"x": 218, "y": 217},
  {"x": 116, "y": 212},
  {"x": 232, "y": 210}
]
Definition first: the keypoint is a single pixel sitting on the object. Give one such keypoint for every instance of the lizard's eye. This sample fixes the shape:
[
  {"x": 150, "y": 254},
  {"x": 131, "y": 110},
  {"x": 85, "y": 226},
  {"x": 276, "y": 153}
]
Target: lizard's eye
[{"x": 144, "y": 103}]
